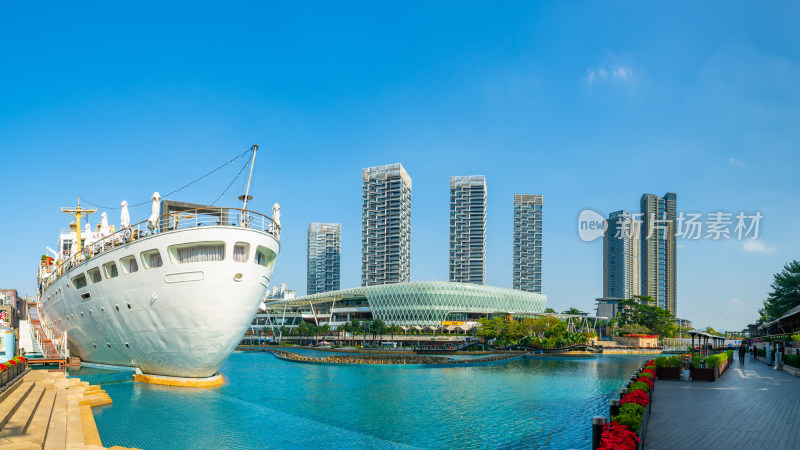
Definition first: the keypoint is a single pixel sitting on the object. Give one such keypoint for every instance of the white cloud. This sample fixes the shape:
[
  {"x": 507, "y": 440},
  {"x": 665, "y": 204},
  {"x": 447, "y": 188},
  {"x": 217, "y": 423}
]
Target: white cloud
[
  {"x": 735, "y": 301},
  {"x": 599, "y": 74},
  {"x": 756, "y": 246},
  {"x": 621, "y": 74},
  {"x": 736, "y": 162}
]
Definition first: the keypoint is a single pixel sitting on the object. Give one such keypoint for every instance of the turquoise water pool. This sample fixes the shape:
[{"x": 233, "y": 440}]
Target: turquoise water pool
[{"x": 269, "y": 403}]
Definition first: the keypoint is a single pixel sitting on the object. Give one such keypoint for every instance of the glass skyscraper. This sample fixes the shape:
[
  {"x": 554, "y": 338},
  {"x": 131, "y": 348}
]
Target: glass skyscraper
[
  {"x": 385, "y": 225},
  {"x": 324, "y": 256},
  {"x": 468, "y": 229},
  {"x": 621, "y": 256},
  {"x": 528, "y": 242},
  {"x": 658, "y": 250}
]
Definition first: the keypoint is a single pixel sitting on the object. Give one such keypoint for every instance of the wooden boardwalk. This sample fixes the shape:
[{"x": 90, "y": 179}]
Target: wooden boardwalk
[{"x": 750, "y": 406}]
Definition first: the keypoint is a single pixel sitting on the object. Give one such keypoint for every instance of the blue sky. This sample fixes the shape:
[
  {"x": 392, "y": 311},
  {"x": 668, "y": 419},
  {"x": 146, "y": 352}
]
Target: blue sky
[{"x": 591, "y": 104}]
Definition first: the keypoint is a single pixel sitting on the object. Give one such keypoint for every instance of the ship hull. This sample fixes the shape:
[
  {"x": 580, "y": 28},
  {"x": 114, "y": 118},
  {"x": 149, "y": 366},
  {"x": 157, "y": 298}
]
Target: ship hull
[{"x": 179, "y": 319}]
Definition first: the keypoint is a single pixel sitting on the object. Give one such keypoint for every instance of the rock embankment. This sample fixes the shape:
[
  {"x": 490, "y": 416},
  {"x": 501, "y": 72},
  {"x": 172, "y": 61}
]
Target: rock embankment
[{"x": 385, "y": 359}]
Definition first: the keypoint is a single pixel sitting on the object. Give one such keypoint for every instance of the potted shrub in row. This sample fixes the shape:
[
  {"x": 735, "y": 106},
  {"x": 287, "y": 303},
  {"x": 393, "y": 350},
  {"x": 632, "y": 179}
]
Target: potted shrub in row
[{"x": 668, "y": 367}]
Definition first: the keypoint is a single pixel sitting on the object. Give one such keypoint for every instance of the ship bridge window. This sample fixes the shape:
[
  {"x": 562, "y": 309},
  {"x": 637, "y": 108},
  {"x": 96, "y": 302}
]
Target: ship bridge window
[
  {"x": 241, "y": 252},
  {"x": 265, "y": 257},
  {"x": 151, "y": 259},
  {"x": 94, "y": 275},
  {"x": 110, "y": 269},
  {"x": 79, "y": 281},
  {"x": 197, "y": 252},
  {"x": 129, "y": 264}
]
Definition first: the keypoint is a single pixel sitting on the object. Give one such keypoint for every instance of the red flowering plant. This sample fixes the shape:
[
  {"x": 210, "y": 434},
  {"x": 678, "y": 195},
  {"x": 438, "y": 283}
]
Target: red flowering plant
[
  {"x": 20, "y": 359},
  {"x": 3, "y": 367},
  {"x": 617, "y": 436},
  {"x": 646, "y": 380},
  {"x": 648, "y": 373},
  {"x": 638, "y": 397},
  {"x": 12, "y": 362},
  {"x": 647, "y": 336}
]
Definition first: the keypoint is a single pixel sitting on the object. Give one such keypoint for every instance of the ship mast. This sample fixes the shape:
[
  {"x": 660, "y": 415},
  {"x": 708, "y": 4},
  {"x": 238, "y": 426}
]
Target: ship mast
[
  {"x": 247, "y": 191},
  {"x": 78, "y": 213}
]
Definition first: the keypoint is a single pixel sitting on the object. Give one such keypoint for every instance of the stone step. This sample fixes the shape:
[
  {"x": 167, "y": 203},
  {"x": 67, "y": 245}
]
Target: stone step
[
  {"x": 74, "y": 425},
  {"x": 11, "y": 403},
  {"x": 37, "y": 430},
  {"x": 90, "y": 433},
  {"x": 22, "y": 417},
  {"x": 57, "y": 432}
]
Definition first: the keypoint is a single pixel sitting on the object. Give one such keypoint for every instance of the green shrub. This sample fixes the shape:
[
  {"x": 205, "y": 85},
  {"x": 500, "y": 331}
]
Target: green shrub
[
  {"x": 646, "y": 374},
  {"x": 729, "y": 353},
  {"x": 630, "y": 414},
  {"x": 796, "y": 337},
  {"x": 762, "y": 352},
  {"x": 640, "y": 386},
  {"x": 792, "y": 360},
  {"x": 668, "y": 361}
]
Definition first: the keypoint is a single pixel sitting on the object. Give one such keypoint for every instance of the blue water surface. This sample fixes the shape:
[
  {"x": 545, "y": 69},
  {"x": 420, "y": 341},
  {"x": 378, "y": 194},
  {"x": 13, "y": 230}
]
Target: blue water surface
[{"x": 269, "y": 403}]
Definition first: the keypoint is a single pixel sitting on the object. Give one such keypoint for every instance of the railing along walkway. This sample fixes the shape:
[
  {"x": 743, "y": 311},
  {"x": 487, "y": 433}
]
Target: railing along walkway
[{"x": 750, "y": 406}]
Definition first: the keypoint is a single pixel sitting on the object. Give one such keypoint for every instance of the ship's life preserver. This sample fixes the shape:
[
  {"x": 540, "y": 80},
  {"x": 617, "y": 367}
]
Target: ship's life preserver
[
  {"x": 87, "y": 252},
  {"x": 127, "y": 233},
  {"x": 451, "y": 348}
]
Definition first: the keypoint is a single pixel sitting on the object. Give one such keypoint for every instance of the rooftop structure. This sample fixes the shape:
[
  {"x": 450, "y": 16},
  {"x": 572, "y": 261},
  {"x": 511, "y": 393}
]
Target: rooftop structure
[{"x": 418, "y": 303}]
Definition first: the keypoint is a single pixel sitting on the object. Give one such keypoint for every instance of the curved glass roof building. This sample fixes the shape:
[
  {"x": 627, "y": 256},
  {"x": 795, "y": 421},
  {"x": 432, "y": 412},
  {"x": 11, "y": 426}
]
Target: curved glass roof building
[{"x": 421, "y": 303}]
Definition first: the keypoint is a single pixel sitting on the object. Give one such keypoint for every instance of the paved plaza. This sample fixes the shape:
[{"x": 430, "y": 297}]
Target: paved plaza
[{"x": 750, "y": 406}]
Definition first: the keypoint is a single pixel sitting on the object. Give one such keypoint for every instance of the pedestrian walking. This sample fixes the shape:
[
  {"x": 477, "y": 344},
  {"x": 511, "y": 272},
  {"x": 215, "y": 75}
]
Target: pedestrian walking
[{"x": 741, "y": 353}]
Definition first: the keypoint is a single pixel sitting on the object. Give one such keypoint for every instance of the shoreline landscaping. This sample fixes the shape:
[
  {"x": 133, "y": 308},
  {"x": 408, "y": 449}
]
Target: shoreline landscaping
[
  {"x": 417, "y": 360},
  {"x": 626, "y": 426}
]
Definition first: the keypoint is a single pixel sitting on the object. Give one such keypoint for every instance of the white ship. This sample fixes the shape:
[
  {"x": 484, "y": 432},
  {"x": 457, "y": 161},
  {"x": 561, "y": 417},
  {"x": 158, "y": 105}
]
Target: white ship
[{"x": 172, "y": 295}]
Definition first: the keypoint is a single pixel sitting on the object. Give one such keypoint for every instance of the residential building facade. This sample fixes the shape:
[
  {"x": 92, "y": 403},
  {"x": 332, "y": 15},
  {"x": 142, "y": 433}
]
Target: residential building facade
[
  {"x": 621, "y": 256},
  {"x": 385, "y": 225},
  {"x": 528, "y": 242},
  {"x": 658, "y": 255},
  {"x": 324, "y": 257},
  {"x": 468, "y": 229}
]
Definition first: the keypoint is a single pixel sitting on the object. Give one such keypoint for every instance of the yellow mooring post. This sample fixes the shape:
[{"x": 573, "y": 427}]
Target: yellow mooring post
[{"x": 78, "y": 213}]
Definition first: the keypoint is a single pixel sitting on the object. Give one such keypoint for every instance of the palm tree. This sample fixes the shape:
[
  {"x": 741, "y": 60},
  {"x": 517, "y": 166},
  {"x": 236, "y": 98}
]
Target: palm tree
[
  {"x": 394, "y": 329},
  {"x": 324, "y": 330},
  {"x": 344, "y": 328},
  {"x": 378, "y": 328},
  {"x": 283, "y": 331}
]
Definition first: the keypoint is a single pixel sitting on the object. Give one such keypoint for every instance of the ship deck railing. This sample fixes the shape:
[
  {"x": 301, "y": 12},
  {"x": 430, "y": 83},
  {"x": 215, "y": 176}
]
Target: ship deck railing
[{"x": 173, "y": 221}]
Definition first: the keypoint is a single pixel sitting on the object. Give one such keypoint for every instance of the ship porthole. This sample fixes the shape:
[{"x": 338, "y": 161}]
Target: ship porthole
[
  {"x": 117, "y": 306},
  {"x": 81, "y": 313},
  {"x": 238, "y": 277},
  {"x": 95, "y": 345},
  {"x": 127, "y": 345},
  {"x": 108, "y": 344},
  {"x": 129, "y": 305}
]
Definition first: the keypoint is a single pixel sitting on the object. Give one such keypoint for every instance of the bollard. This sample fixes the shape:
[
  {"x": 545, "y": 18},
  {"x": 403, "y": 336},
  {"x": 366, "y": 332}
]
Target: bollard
[
  {"x": 598, "y": 422},
  {"x": 634, "y": 377},
  {"x": 623, "y": 392},
  {"x": 614, "y": 407}
]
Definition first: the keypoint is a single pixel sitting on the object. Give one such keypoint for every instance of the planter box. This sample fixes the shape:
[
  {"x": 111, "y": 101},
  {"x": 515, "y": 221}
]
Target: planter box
[
  {"x": 704, "y": 374},
  {"x": 668, "y": 373},
  {"x": 791, "y": 370}
]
